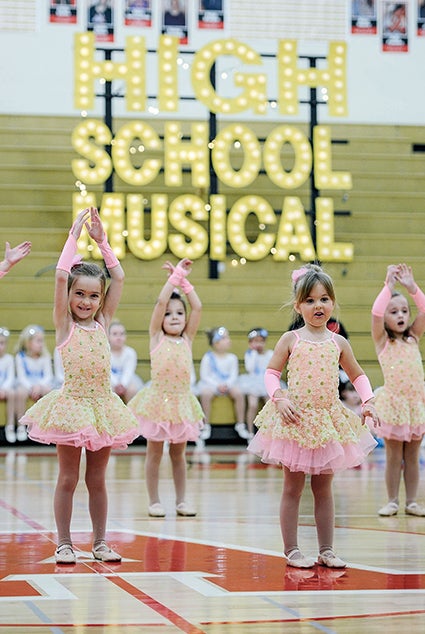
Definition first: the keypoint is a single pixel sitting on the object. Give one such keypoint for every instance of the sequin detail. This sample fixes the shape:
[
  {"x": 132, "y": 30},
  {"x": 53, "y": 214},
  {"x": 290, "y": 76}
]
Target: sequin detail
[
  {"x": 84, "y": 412},
  {"x": 401, "y": 401},
  {"x": 167, "y": 409},
  {"x": 328, "y": 437}
]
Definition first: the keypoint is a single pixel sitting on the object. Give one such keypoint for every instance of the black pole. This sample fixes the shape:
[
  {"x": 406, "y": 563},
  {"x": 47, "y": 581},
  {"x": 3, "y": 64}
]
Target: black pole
[
  {"x": 109, "y": 183},
  {"x": 314, "y": 192},
  {"x": 213, "y": 264}
]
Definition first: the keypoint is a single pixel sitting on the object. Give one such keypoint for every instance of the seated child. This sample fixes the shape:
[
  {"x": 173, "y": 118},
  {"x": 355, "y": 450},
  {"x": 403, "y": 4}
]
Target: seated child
[
  {"x": 34, "y": 374},
  {"x": 350, "y": 398},
  {"x": 256, "y": 360},
  {"x": 7, "y": 384},
  {"x": 219, "y": 371},
  {"x": 125, "y": 382}
]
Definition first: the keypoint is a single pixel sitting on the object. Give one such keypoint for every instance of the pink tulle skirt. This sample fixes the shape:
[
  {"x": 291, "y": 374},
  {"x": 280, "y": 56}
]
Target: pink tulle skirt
[
  {"x": 321, "y": 460},
  {"x": 88, "y": 438},
  {"x": 173, "y": 432},
  {"x": 402, "y": 433}
]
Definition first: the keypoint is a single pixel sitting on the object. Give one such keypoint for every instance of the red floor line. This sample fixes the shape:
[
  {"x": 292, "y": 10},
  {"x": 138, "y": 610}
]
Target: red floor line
[
  {"x": 307, "y": 619},
  {"x": 35, "y": 525},
  {"x": 158, "y": 607}
]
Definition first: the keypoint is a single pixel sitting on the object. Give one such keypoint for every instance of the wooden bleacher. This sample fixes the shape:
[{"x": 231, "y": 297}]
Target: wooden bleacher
[{"x": 386, "y": 224}]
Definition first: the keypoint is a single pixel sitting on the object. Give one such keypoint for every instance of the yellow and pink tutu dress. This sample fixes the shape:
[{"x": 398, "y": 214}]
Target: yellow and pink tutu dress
[
  {"x": 166, "y": 408},
  {"x": 328, "y": 437},
  {"x": 400, "y": 403},
  {"x": 84, "y": 412}
]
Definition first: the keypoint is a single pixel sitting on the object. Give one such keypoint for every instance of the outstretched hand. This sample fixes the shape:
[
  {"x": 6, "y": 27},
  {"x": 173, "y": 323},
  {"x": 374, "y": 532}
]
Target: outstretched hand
[
  {"x": 391, "y": 278},
  {"x": 90, "y": 219},
  {"x": 405, "y": 277},
  {"x": 14, "y": 255},
  {"x": 168, "y": 266},
  {"x": 185, "y": 266},
  {"x": 95, "y": 228}
]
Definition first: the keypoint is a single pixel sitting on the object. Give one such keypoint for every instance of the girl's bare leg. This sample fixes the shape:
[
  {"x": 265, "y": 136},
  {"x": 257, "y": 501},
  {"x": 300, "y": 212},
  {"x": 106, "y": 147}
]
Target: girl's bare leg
[
  {"x": 154, "y": 453},
  {"x": 411, "y": 469},
  {"x": 96, "y": 464},
  {"x": 69, "y": 470},
  {"x": 178, "y": 462}
]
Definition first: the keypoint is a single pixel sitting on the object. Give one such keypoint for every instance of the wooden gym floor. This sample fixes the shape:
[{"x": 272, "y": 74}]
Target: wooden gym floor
[{"x": 220, "y": 572}]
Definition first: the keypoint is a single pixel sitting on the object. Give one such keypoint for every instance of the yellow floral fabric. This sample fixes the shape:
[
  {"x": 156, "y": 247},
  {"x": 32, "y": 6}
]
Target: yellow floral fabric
[{"x": 84, "y": 412}]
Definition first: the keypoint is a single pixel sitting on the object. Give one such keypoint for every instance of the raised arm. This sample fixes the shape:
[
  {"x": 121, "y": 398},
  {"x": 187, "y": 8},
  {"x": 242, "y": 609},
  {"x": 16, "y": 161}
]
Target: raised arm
[
  {"x": 13, "y": 255},
  {"x": 61, "y": 317},
  {"x": 379, "y": 306},
  {"x": 195, "y": 303},
  {"x": 158, "y": 313},
  {"x": 406, "y": 279},
  {"x": 116, "y": 272}
]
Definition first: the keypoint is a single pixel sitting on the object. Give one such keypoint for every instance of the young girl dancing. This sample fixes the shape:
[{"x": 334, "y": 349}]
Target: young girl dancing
[
  {"x": 401, "y": 401},
  {"x": 84, "y": 412},
  {"x": 306, "y": 428},
  {"x": 167, "y": 409}
]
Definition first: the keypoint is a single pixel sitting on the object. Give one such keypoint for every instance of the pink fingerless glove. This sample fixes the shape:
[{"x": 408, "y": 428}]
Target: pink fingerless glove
[
  {"x": 3, "y": 273},
  {"x": 419, "y": 298},
  {"x": 108, "y": 255},
  {"x": 186, "y": 286},
  {"x": 66, "y": 258},
  {"x": 176, "y": 277},
  {"x": 363, "y": 388},
  {"x": 381, "y": 302},
  {"x": 272, "y": 381}
]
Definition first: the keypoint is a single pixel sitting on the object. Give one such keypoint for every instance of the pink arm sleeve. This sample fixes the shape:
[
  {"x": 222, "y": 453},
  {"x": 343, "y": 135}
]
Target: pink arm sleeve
[
  {"x": 108, "y": 255},
  {"x": 175, "y": 277},
  {"x": 65, "y": 261},
  {"x": 381, "y": 302},
  {"x": 2, "y": 274},
  {"x": 186, "y": 286},
  {"x": 363, "y": 388},
  {"x": 419, "y": 299},
  {"x": 272, "y": 381}
]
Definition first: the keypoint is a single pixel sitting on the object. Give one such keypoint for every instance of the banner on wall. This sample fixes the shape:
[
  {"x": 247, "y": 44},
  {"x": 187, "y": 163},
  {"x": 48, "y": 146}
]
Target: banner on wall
[
  {"x": 210, "y": 14},
  {"x": 138, "y": 13},
  {"x": 421, "y": 18},
  {"x": 363, "y": 17},
  {"x": 174, "y": 19},
  {"x": 395, "y": 35},
  {"x": 63, "y": 11},
  {"x": 100, "y": 19}
]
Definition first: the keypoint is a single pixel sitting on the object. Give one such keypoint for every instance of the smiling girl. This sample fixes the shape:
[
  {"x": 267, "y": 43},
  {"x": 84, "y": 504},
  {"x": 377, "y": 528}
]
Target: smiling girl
[{"x": 84, "y": 412}]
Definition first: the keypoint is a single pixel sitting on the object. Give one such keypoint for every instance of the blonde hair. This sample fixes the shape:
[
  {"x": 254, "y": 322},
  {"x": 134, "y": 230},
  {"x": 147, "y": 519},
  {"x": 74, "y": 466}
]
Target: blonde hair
[{"x": 26, "y": 335}]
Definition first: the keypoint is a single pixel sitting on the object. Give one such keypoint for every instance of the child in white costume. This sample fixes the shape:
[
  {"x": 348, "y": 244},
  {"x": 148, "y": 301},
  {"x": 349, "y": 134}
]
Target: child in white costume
[
  {"x": 219, "y": 372},
  {"x": 256, "y": 360},
  {"x": 125, "y": 382}
]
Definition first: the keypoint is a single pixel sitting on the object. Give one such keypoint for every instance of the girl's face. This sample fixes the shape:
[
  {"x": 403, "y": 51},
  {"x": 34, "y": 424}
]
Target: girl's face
[
  {"x": 117, "y": 337},
  {"x": 85, "y": 298},
  {"x": 223, "y": 344},
  {"x": 35, "y": 344},
  {"x": 257, "y": 343},
  {"x": 317, "y": 308},
  {"x": 3, "y": 345},
  {"x": 174, "y": 318},
  {"x": 397, "y": 314}
]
